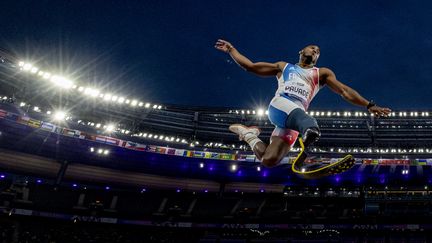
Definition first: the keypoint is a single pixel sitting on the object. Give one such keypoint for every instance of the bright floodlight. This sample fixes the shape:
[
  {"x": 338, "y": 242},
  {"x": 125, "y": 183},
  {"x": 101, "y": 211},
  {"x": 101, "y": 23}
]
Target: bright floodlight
[
  {"x": 110, "y": 127},
  {"x": 59, "y": 115},
  {"x": 140, "y": 104},
  {"x": 134, "y": 102},
  {"x": 114, "y": 98},
  {"x": 21, "y": 64},
  {"x": 107, "y": 97},
  {"x": 121, "y": 100},
  {"x": 27, "y": 67},
  {"x": 61, "y": 82},
  {"x": 201, "y": 165},
  {"x": 47, "y": 75},
  {"x": 147, "y": 105},
  {"x": 260, "y": 112},
  {"x": 34, "y": 70}
]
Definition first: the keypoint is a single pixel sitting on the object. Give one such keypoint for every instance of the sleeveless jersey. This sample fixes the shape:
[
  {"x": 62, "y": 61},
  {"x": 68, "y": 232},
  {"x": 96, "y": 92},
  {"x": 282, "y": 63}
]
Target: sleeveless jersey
[{"x": 299, "y": 84}]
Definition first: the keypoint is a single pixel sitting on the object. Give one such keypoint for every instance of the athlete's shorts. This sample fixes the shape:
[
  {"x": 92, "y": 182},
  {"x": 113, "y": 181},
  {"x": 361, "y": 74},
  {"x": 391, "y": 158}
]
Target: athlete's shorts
[{"x": 278, "y": 111}]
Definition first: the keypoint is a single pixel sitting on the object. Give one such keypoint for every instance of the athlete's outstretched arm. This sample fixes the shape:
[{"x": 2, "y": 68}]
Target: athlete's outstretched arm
[
  {"x": 328, "y": 77},
  {"x": 258, "y": 68}
]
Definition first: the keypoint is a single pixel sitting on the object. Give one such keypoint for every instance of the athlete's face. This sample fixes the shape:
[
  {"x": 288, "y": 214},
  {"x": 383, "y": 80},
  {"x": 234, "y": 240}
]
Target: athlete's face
[{"x": 310, "y": 52}]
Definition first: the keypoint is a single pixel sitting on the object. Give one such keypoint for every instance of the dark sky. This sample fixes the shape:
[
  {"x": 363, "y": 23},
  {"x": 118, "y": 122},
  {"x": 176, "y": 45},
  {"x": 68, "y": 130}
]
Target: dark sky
[{"x": 162, "y": 50}]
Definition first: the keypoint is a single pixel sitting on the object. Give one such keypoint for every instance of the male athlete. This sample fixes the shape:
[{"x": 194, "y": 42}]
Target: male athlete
[{"x": 297, "y": 86}]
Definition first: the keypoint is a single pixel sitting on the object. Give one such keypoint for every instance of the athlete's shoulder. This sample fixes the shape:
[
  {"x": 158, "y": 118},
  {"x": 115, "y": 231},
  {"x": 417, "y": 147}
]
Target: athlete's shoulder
[
  {"x": 325, "y": 72},
  {"x": 281, "y": 65}
]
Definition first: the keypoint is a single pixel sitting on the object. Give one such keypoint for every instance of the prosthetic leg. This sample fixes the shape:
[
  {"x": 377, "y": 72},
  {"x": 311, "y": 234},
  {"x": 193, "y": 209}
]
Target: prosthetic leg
[{"x": 340, "y": 166}]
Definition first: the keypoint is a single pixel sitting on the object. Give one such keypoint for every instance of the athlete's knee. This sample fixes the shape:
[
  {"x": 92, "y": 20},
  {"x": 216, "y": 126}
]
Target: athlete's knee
[
  {"x": 300, "y": 121},
  {"x": 271, "y": 160}
]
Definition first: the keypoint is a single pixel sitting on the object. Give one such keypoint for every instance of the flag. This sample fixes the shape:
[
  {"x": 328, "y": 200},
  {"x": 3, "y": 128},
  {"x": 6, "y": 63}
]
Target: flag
[
  {"x": 198, "y": 154},
  {"x": 225, "y": 156},
  {"x": 151, "y": 148},
  {"x": 250, "y": 157},
  {"x": 111, "y": 141},
  {"x": 160, "y": 150},
  {"x": 69, "y": 132},
  {"x": 100, "y": 139},
  {"x": 3, "y": 113},
  {"x": 48, "y": 126},
  {"x": 34, "y": 123},
  {"x": 179, "y": 152},
  {"x": 171, "y": 151},
  {"x": 23, "y": 119}
]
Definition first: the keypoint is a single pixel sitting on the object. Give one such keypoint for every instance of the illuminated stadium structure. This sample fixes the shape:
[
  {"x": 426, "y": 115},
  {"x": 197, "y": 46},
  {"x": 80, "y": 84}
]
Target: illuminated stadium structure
[{"x": 54, "y": 131}]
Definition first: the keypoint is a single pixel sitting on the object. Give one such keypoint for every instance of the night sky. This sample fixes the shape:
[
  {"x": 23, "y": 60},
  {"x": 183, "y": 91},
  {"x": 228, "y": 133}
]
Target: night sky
[{"x": 163, "y": 50}]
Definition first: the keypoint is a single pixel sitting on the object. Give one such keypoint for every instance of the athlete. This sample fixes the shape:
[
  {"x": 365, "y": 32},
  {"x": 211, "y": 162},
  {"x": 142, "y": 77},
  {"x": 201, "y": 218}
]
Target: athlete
[{"x": 297, "y": 86}]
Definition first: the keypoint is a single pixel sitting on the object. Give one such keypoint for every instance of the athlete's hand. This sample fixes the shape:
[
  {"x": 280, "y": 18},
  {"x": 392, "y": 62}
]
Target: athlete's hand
[
  {"x": 223, "y": 45},
  {"x": 379, "y": 111}
]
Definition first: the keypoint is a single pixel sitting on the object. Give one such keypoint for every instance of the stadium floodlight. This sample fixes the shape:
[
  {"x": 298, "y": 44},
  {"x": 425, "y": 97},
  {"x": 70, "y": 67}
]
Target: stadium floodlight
[
  {"x": 127, "y": 101},
  {"x": 21, "y": 63},
  {"x": 81, "y": 89},
  {"x": 159, "y": 107},
  {"x": 154, "y": 106},
  {"x": 107, "y": 97},
  {"x": 40, "y": 73},
  {"x": 100, "y": 151},
  {"x": 201, "y": 165},
  {"x": 92, "y": 149},
  {"x": 34, "y": 70},
  {"x": 59, "y": 115},
  {"x": 134, "y": 102},
  {"x": 147, "y": 105},
  {"x": 156, "y": 136},
  {"x": 114, "y": 98},
  {"x": 36, "y": 109},
  {"x": 46, "y": 75},
  {"x": 121, "y": 100},
  {"x": 22, "y": 104},
  {"x": 145, "y": 135},
  {"x": 242, "y": 111},
  {"x": 61, "y": 82},
  {"x": 260, "y": 112},
  {"x": 106, "y": 152},
  {"x": 49, "y": 112},
  {"x": 177, "y": 140},
  {"x": 140, "y": 104},
  {"x": 248, "y": 112},
  {"x": 150, "y": 135},
  {"x": 27, "y": 67},
  {"x": 192, "y": 145},
  {"x": 258, "y": 168},
  {"x": 98, "y": 125},
  {"x": 266, "y": 112},
  {"x": 110, "y": 127},
  {"x": 161, "y": 137}
]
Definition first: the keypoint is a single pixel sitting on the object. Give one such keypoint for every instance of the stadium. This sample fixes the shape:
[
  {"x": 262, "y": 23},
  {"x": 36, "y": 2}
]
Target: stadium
[{"x": 81, "y": 164}]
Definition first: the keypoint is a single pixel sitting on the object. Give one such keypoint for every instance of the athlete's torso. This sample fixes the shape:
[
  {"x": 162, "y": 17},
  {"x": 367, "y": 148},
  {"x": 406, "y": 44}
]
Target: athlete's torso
[{"x": 298, "y": 84}]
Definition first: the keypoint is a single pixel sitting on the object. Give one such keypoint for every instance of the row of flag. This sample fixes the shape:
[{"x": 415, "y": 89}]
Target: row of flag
[{"x": 46, "y": 126}]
